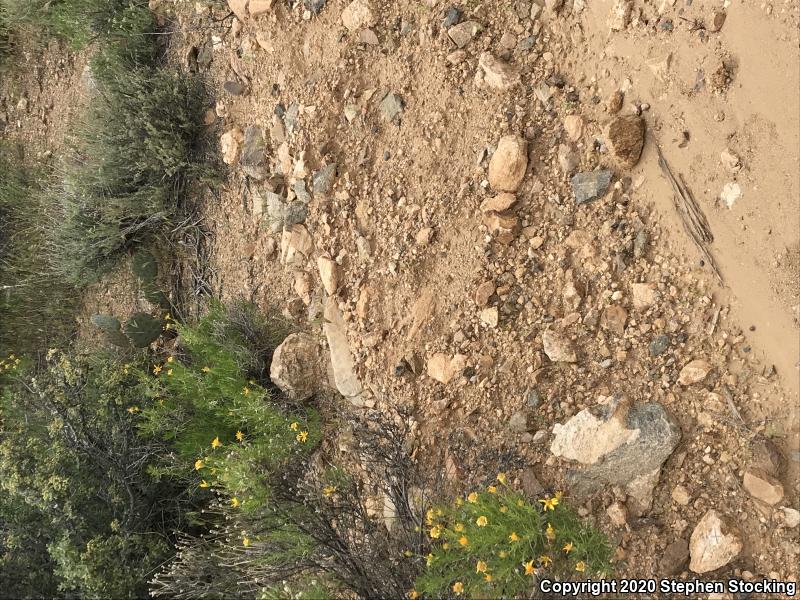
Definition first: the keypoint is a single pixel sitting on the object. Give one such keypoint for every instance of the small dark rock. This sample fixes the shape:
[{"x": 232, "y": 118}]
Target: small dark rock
[
  {"x": 527, "y": 43},
  {"x": 533, "y": 398},
  {"x": 253, "y": 159},
  {"x": 279, "y": 110},
  {"x": 451, "y": 17},
  {"x": 717, "y": 21},
  {"x": 399, "y": 369},
  {"x": 314, "y": 6},
  {"x": 518, "y": 422},
  {"x": 659, "y": 345},
  {"x": 234, "y": 88},
  {"x": 667, "y": 25},
  {"x": 590, "y": 186},
  {"x": 640, "y": 243},
  {"x": 674, "y": 557},
  {"x": 531, "y": 486}
]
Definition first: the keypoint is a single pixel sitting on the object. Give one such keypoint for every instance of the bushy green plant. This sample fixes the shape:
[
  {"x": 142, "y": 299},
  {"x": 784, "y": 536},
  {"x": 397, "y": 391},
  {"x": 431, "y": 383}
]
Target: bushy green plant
[
  {"x": 70, "y": 452},
  {"x": 30, "y": 317},
  {"x": 496, "y": 544}
]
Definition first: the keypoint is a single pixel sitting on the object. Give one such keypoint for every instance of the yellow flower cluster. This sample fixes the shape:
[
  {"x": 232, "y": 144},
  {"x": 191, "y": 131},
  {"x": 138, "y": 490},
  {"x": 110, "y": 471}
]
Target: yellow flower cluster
[{"x": 10, "y": 363}]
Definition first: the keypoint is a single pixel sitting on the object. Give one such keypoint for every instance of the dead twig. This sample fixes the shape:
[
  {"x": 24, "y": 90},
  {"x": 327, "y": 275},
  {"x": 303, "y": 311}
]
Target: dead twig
[{"x": 694, "y": 220}]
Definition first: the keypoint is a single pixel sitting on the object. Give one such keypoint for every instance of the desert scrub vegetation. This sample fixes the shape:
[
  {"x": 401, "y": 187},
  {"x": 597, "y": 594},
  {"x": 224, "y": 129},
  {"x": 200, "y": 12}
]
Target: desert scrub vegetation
[
  {"x": 134, "y": 151},
  {"x": 29, "y": 318},
  {"x": 496, "y": 544}
]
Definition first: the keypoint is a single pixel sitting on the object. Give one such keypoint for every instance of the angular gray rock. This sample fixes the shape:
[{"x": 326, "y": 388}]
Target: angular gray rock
[
  {"x": 253, "y": 159},
  {"x": 391, "y": 106},
  {"x": 281, "y": 214},
  {"x": 590, "y": 186},
  {"x": 323, "y": 180},
  {"x": 617, "y": 444}
]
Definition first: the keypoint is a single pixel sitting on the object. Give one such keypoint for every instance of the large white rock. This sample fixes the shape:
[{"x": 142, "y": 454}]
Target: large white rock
[
  {"x": 295, "y": 366},
  {"x": 558, "y": 348},
  {"x": 357, "y": 15},
  {"x": 714, "y": 543},
  {"x": 615, "y": 443},
  {"x": 495, "y": 73}
]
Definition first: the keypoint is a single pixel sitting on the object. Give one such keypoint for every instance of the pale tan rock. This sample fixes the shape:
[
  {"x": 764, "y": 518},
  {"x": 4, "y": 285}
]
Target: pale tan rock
[
  {"x": 508, "y": 163},
  {"x": 328, "y": 274},
  {"x": 694, "y": 372},
  {"x": 503, "y": 226},
  {"x": 499, "y": 203},
  {"x": 496, "y": 73},
  {"x": 573, "y": 126},
  {"x": 644, "y": 295},
  {"x": 296, "y": 245},
  {"x": 620, "y": 15},
  {"x": 558, "y": 348},
  {"x": 258, "y": 8},
  {"x": 614, "y": 318},
  {"x": 296, "y": 367},
  {"x": 762, "y": 486},
  {"x": 681, "y": 495},
  {"x": 231, "y": 145},
  {"x": 423, "y": 309},
  {"x": 442, "y": 368},
  {"x": 342, "y": 362},
  {"x": 490, "y": 316},
  {"x": 239, "y": 8},
  {"x": 484, "y": 292},
  {"x": 714, "y": 543},
  {"x": 617, "y": 513},
  {"x": 463, "y": 33},
  {"x": 424, "y": 236},
  {"x": 357, "y": 15},
  {"x": 614, "y": 102},
  {"x": 302, "y": 286}
]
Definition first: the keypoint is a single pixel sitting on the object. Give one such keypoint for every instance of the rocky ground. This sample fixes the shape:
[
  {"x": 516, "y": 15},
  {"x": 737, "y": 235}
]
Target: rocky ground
[{"x": 462, "y": 205}]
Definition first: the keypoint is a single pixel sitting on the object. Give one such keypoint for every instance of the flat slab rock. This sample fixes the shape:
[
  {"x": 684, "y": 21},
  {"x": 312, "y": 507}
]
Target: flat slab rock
[
  {"x": 617, "y": 444},
  {"x": 344, "y": 371},
  {"x": 590, "y": 186}
]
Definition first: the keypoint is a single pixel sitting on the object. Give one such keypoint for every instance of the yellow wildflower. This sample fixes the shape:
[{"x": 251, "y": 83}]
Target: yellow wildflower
[
  {"x": 215, "y": 443},
  {"x": 458, "y": 528},
  {"x": 513, "y": 537},
  {"x": 445, "y": 546},
  {"x": 481, "y": 521},
  {"x": 559, "y": 495},
  {"x": 246, "y": 542},
  {"x": 167, "y": 317},
  {"x": 463, "y": 540},
  {"x": 169, "y": 371},
  {"x": 436, "y": 531},
  {"x": 520, "y": 503},
  {"x": 580, "y": 566},
  {"x": 170, "y": 359},
  {"x": 568, "y": 547},
  {"x": 239, "y": 436},
  {"x": 545, "y": 560},
  {"x": 204, "y": 483},
  {"x": 245, "y": 391},
  {"x": 133, "y": 409},
  {"x": 550, "y": 533},
  {"x": 473, "y": 497},
  {"x": 458, "y": 587},
  {"x": 503, "y": 509},
  {"x": 199, "y": 464},
  {"x": 502, "y": 554},
  {"x": 302, "y": 436},
  {"x": 235, "y": 502},
  {"x": 429, "y": 516},
  {"x": 459, "y": 501},
  {"x": 413, "y": 595},
  {"x": 206, "y": 369},
  {"x": 488, "y": 578},
  {"x": 294, "y": 426},
  {"x": 156, "y": 369},
  {"x": 501, "y": 477},
  {"x": 481, "y": 567},
  {"x": 430, "y": 559},
  {"x": 492, "y": 489},
  {"x": 529, "y": 570},
  {"x": 549, "y": 503}
]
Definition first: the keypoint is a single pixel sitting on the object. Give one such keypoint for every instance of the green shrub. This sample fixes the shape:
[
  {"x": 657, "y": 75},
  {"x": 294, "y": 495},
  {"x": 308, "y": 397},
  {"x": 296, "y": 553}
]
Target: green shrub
[
  {"x": 496, "y": 544},
  {"x": 36, "y": 305},
  {"x": 70, "y": 453}
]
